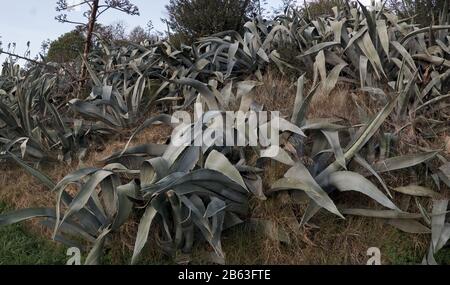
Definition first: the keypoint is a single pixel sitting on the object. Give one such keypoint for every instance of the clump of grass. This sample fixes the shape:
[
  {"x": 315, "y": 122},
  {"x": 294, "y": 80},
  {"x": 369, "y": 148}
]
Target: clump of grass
[
  {"x": 20, "y": 247},
  {"x": 443, "y": 256},
  {"x": 403, "y": 249}
]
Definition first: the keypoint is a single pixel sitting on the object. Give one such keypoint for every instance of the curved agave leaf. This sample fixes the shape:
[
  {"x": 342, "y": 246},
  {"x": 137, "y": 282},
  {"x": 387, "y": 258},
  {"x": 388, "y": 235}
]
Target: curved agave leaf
[
  {"x": 352, "y": 181},
  {"x": 299, "y": 178},
  {"x": 26, "y": 214},
  {"x": 383, "y": 36},
  {"x": 333, "y": 140},
  {"x": 380, "y": 214},
  {"x": 410, "y": 226},
  {"x": 218, "y": 162},
  {"x": 438, "y": 222},
  {"x": 80, "y": 201},
  {"x": 418, "y": 191},
  {"x": 44, "y": 179},
  {"x": 317, "y": 48},
  {"x": 95, "y": 254},
  {"x": 405, "y": 54},
  {"x": 278, "y": 154},
  {"x": 153, "y": 170},
  {"x": 143, "y": 231},
  {"x": 361, "y": 161},
  {"x": 332, "y": 79},
  {"x": 402, "y": 162}
]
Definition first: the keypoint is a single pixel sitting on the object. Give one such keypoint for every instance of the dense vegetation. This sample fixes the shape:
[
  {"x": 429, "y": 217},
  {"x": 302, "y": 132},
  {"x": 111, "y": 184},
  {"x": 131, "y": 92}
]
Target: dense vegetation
[{"x": 186, "y": 195}]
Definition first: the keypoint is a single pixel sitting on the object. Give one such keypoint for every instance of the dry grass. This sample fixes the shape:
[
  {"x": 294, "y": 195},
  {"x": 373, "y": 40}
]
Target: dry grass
[{"x": 276, "y": 94}]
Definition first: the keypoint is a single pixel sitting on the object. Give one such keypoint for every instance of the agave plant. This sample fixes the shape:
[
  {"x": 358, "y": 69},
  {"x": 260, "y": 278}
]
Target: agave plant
[
  {"x": 31, "y": 125},
  {"x": 326, "y": 167}
]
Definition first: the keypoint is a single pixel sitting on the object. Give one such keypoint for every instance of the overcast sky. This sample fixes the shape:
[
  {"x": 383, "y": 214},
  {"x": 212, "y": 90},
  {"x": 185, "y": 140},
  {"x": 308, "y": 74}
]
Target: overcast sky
[{"x": 34, "y": 20}]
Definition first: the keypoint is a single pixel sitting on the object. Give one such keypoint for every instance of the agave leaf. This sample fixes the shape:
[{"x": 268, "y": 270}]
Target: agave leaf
[
  {"x": 204, "y": 178},
  {"x": 214, "y": 207},
  {"x": 312, "y": 209},
  {"x": 357, "y": 36},
  {"x": 166, "y": 119},
  {"x": 95, "y": 254},
  {"x": 424, "y": 30},
  {"x": 26, "y": 214},
  {"x": 218, "y": 162},
  {"x": 429, "y": 258},
  {"x": 299, "y": 98},
  {"x": 317, "y": 48},
  {"x": 153, "y": 170},
  {"x": 59, "y": 188},
  {"x": 336, "y": 26},
  {"x": 304, "y": 106},
  {"x": 409, "y": 226},
  {"x": 125, "y": 206},
  {"x": 383, "y": 36},
  {"x": 93, "y": 111},
  {"x": 433, "y": 101},
  {"x": 196, "y": 206},
  {"x": 366, "y": 45},
  {"x": 276, "y": 58},
  {"x": 352, "y": 181},
  {"x": 278, "y": 154},
  {"x": 361, "y": 161},
  {"x": 217, "y": 228},
  {"x": 418, "y": 191},
  {"x": 44, "y": 179},
  {"x": 333, "y": 140},
  {"x": 405, "y": 54},
  {"x": 322, "y": 124},
  {"x": 143, "y": 231},
  {"x": 299, "y": 178},
  {"x": 204, "y": 91},
  {"x": 92, "y": 73},
  {"x": 85, "y": 193},
  {"x": 332, "y": 79},
  {"x": 438, "y": 221},
  {"x": 176, "y": 217},
  {"x": 445, "y": 237},
  {"x": 320, "y": 68},
  {"x": 370, "y": 21},
  {"x": 380, "y": 214},
  {"x": 363, "y": 70},
  {"x": 402, "y": 162},
  {"x": 434, "y": 82},
  {"x": 436, "y": 60},
  {"x": 255, "y": 185}
]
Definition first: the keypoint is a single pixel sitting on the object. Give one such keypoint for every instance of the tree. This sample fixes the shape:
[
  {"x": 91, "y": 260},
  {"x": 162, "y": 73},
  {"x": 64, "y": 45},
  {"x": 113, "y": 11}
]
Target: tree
[
  {"x": 94, "y": 9},
  {"x": 425, "y": 12},
  {"x": 196, "y": 18},
  {"x": 66, "y": 48},
  {"x": 139, "y": 34},
  {"x": 114, "y": 32},
  {"x": 318, "y": 8}
]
